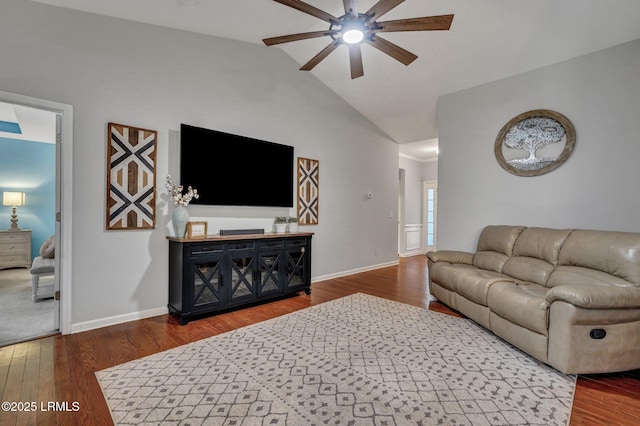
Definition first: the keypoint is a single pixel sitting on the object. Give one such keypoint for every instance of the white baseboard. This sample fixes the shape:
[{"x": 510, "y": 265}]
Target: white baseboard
[
  {"x": 412, "y": 253},
  {"x": 353, "y": 271},
  {"x": 133, "y": 316},
  {"x": 118, "y": 319}
]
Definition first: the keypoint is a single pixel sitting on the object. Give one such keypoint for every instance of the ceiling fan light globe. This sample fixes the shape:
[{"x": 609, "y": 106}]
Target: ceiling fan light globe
[{"x": 353, "y": 36}]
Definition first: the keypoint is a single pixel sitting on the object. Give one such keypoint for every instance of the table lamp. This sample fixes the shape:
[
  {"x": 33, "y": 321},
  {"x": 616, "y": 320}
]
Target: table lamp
[{"x": 14, "y": 199}]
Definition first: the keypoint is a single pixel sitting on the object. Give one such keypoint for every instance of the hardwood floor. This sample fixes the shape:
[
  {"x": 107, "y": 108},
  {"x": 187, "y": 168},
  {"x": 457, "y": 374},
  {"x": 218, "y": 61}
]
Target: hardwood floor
[{"x": 61, "y": 368}]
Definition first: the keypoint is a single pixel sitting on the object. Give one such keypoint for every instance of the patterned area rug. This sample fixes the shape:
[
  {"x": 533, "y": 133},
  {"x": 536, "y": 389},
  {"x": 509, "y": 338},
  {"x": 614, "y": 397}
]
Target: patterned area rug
[{"x": 358, "y": 360}]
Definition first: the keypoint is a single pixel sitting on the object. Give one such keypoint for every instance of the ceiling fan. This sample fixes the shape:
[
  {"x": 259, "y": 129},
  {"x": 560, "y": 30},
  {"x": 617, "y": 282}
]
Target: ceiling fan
[{"x": 354, "y": 28}]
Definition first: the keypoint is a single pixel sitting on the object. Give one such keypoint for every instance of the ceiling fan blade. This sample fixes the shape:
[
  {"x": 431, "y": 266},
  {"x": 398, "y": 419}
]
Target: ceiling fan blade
[
  {"x": 351, "y": 6},
  {"x": 311, "y": 10},
  {"x": 295, "y": 37},
  {"x": 428, "y": 23},
  {"x": 355, "y": 57},
  {"x": 392, "y": 50},
  {"x": 380, "y": 8},
  {"x": 320, "y": 56}
]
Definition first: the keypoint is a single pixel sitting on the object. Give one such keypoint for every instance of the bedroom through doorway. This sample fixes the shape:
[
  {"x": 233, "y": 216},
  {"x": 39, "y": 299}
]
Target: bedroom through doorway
[{"x": 30, "y": 140}]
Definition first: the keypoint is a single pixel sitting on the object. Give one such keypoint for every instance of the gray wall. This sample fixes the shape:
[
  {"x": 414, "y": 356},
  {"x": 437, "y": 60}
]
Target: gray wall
[
  {"x": 430, "y": 170},
  {"x": 416, "y": 172},
  {"x": 156, "y": 78},
  {"x": 595, "y": 189}
]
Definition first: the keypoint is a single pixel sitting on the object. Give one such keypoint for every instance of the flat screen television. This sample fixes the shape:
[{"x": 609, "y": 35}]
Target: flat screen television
[{"x": 232, "y": 170}]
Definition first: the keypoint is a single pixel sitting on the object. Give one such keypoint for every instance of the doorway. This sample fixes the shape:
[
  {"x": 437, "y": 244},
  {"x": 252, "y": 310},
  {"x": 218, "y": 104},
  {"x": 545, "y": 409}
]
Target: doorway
[{"x": 44, "y": 211}]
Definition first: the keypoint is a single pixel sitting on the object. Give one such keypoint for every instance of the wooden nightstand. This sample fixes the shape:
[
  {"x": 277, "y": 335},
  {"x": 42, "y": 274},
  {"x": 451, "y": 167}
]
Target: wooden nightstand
[{"x": 15, "y": 248}]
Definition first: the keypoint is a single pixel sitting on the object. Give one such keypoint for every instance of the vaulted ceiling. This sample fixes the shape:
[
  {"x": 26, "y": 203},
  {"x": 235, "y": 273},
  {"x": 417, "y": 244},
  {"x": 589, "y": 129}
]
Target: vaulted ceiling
[{"x": 488, "y": 40}]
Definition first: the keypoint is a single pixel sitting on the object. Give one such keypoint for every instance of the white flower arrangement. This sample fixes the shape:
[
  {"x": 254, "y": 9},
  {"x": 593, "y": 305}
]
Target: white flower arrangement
[{"x": 176, "y": 195}]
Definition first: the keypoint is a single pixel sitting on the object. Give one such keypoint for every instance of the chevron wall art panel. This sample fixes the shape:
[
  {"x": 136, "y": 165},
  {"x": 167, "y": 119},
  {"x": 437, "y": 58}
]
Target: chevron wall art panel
[
  {"x": 131, "y": 178},
  {"x": 308, "y": 178}
]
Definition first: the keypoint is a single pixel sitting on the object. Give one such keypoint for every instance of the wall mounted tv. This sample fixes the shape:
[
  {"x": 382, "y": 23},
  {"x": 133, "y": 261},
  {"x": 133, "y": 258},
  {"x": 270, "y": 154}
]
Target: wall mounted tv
[{"x": 231, "y": 170}]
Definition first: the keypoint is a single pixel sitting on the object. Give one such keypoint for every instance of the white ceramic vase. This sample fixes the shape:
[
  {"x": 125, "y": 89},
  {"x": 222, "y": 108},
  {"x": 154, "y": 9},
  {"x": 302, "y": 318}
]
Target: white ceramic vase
[{"x": 179, "y": 219}]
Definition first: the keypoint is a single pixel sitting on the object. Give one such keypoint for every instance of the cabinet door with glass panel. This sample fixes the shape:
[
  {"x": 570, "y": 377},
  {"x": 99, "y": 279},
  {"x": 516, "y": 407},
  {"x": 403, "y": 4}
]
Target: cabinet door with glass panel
[
  {"x": 296, "y": 263},
  {"x": 206, "y": 291},
  {"x": 270, "y": 267},
  {"x": 240, "y": 277}
]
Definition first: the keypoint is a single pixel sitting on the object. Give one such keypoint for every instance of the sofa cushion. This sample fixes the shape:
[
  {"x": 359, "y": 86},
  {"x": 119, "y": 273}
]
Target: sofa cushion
[
  {"x": 474, "y": 285},
  {"x": 450, "y": 256},
  {"x": 616, "y": 253},
  {"x": 597, "y": 296},
  {"x": 495, "y": 246},
  {"x": 541, "y": 243},
  {"x": 442, "y": 273},
  {"x": 499, "y": 238},
  {"x": 567, "y": 275},
  {"x": 528, "y": 269},
  {"x": 523, "y": 304},
  {"x": 535, "y": 254},
  {"x": 490, "y": 260}
]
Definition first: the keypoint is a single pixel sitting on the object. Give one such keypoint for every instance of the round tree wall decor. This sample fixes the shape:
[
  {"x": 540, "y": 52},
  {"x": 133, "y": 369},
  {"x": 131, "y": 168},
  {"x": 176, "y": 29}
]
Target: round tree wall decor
[{"x": 535, "y": 142}]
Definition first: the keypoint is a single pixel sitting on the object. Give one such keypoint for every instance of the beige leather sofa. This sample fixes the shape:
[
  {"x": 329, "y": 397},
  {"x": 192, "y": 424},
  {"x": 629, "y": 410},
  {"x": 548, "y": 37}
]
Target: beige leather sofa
[{"x": 570, "y": 298}]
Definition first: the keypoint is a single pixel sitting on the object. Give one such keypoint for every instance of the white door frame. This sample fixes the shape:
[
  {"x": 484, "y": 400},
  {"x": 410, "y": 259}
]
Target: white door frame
[
  {"x": 64, "y": 193},
  {"x": 401, "y": 200}
]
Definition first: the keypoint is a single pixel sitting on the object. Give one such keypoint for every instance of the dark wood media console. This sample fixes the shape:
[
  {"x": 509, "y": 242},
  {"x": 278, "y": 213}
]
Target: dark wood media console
[{"x": 223, "y": 272}]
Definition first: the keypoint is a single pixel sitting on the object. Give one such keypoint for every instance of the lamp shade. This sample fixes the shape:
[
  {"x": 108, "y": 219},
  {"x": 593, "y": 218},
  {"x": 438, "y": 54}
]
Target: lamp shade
[{"x": 15, "y": 199}]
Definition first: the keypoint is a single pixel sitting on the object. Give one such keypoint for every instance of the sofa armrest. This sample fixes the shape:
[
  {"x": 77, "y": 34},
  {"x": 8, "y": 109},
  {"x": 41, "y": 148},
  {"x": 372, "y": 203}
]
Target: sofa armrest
[
  {"x": 450, "y": 256},
  {"x": 596, "y": 297}
]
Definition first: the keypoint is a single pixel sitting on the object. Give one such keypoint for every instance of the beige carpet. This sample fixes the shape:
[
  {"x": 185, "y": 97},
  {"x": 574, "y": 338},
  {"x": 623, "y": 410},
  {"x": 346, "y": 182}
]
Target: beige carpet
[
  {"x": 358, "y": 360},
  {"x": 20, "y": 318}
]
